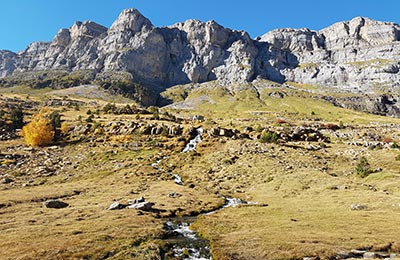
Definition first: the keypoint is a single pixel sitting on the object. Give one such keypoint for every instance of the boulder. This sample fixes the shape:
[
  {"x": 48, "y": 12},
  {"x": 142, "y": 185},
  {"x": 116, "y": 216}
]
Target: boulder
[
  {"x": 145, "y": 206},
  {"x": 116, "y": 205},
  {"x": 55, "y": 204}
]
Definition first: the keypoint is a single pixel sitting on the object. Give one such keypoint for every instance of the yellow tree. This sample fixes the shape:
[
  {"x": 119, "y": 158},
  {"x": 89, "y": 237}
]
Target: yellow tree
[{"x": 39, "y": 132}]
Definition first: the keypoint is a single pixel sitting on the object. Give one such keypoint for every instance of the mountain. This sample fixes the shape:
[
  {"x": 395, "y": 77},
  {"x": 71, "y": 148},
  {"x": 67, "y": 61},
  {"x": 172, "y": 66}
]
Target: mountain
[{"x": 136, "y": 58}]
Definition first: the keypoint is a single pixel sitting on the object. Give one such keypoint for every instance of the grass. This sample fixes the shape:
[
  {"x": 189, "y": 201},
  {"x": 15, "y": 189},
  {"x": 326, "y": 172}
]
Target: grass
[
  {"x": 308, "y": 65},
  {"x": 373, "y": 63},
  {"x": 305, "y": 217},
  {"x": 309, "y": 192}
]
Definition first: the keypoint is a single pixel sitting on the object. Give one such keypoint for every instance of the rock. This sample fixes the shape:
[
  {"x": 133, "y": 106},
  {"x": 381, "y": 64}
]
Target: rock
[
  {"x": 145, "y": 206},
  {"x": 358, "y": 207},
  {"x": 174, "y": 195},
  {"x": 355, "y": 55},
  {"x": 116, "y": 205},
  {"x": 7, "y": 180},
  {"x": 55, "y": 204},
  {"x": 177, "y": 179},
  {"x": 135, "y": 201}
]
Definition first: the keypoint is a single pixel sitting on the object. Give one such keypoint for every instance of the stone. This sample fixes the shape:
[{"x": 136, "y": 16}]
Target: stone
[
  {"x": 116, "y": 205},
  {"x": 55, "y": 204},
  {"x": 354, "y": 56},
  {"x": 177, "y": 179},
  {"x": 7, "y": 180},
  {"x": 358, "y": 207},
  {"x": 145, "y": 206},
  {"x": 174, "y": 195},
  {"x": 138, "y": 200}
]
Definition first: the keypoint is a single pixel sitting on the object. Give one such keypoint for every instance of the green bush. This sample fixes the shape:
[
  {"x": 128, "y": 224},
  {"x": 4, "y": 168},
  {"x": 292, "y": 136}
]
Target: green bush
[
  {"x": 363, "y": 169},
  {"x": 269, "y": 137},
  {"x": 17, "y": 118}
]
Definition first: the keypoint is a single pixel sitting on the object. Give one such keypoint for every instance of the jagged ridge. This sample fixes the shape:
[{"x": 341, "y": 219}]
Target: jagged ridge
[{"x": 359, "y": 55}]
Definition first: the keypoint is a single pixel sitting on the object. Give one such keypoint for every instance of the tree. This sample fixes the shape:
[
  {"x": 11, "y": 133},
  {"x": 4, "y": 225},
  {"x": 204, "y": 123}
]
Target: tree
[
  {"x": 363, "y": 169},
  {"x": 17, "y": 118},
  {"x": 39, "y": 132},
  {"x": 55, "y": 119}
]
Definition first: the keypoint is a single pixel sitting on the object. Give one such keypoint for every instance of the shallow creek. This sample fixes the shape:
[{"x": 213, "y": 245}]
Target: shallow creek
[{"x": 183, "y": 242}]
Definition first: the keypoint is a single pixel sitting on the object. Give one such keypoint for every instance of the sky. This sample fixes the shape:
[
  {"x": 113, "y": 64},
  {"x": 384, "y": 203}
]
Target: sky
[{"x": 26, "y": 21}]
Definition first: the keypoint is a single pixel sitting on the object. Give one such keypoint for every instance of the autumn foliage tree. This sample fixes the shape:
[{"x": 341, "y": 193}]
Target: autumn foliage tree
[{"x": 39, "y": 132}]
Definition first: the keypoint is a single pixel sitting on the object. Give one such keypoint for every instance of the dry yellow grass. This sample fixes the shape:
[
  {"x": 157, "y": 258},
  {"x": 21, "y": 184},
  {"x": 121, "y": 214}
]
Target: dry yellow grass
[{"x": 309, "y": 192}]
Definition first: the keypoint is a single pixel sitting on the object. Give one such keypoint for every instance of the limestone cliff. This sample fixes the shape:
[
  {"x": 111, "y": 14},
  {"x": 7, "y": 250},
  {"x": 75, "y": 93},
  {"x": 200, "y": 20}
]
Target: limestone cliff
[{"x": 360, "y": 55}]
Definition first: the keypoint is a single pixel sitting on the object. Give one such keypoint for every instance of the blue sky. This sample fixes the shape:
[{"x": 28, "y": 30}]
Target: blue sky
[{"x": 25, "y": 21}]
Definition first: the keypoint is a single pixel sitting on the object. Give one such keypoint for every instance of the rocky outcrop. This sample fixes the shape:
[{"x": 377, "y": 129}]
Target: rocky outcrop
[
  {"x": 192, "y": 51},
  {"x": 385, "y": 105},
  {"x": 8, "y": 61},
  {"x": 357, "y": 55}
]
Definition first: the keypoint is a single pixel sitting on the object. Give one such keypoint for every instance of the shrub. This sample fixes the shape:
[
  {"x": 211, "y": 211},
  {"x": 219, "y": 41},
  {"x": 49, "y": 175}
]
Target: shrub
[
  {"x": 269, "y": 137},
  {"x": 387, "y": 139},
  {"x": 109, "y": 108},
  {"x": 363, "y": 169},
  {"x": 17, "y": 118},
  {"x": 39, "y": 132},
  {"x": 280, "y": 121},
  {"x": 153, "y": 110},
  {"x": 64, "y": 127},
  {"x": 55, "y": 119},
  {"x": 397, "y": 157}
]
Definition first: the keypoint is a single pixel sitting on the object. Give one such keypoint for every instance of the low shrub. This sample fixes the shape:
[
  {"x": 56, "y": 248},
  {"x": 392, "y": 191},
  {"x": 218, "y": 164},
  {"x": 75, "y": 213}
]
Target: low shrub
[
  {"x": 269, "y": 137},
  {"x": 363, "y": 169},
  {"x": 39, "y": 132}
]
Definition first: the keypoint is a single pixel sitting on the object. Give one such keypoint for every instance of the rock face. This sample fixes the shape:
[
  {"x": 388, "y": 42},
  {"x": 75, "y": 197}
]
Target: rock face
[
  {"x": 360, "y": 54},
  {"x": 357, "y": 55}
]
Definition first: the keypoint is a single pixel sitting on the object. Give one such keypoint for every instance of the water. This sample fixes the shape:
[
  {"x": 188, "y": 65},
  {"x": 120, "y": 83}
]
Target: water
[
  {"x": 186, "y": 243},
  {"x": 191, "y": 146}
]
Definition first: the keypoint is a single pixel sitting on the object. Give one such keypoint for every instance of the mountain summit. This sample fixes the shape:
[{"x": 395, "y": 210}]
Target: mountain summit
[{"x": 359, "y": 55}]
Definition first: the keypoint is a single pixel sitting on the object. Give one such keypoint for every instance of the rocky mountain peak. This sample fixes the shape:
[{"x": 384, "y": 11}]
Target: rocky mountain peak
[
  {"x": 294, "y": 39},
  {"x": 131, "y": 20},
  {"x": 355, "y": 55},
  {"x": 360, "y": 31},
  {"x": 87, "y": 29},
  {"x": 207, "y": 32}
]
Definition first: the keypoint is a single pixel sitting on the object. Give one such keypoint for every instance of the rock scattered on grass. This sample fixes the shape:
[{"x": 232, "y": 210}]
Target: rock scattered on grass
[
  {"x": 116, "y": 205},
  {"x": 358, "y": 207},
  {"x": 145, "y": 206},
  {"x": 55, "y": 204}
]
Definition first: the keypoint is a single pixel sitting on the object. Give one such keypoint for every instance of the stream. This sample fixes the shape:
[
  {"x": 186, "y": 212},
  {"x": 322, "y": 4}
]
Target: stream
[
  {"x": 184, "y": 243},
  {"x": 191, "y": 146}
]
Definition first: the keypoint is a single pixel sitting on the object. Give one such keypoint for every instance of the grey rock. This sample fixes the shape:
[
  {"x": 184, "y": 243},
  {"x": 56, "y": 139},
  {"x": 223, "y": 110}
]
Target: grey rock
[
  {"x": 55, "y": 204},
  {"x": 358, "y": 207},
  {"x": 145, "y": 206},
  {"x": 135, "y": 201},
  {"x": 7, "y": 180},
  {"x": 355, "y": 56},
  {"x": 177, "y": 179},
  {"x": 116, "y": 205}
]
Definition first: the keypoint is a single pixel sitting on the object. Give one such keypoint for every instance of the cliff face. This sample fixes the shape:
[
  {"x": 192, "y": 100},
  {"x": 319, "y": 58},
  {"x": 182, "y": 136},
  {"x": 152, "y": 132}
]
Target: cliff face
[{"x": 357, "y": 55}]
